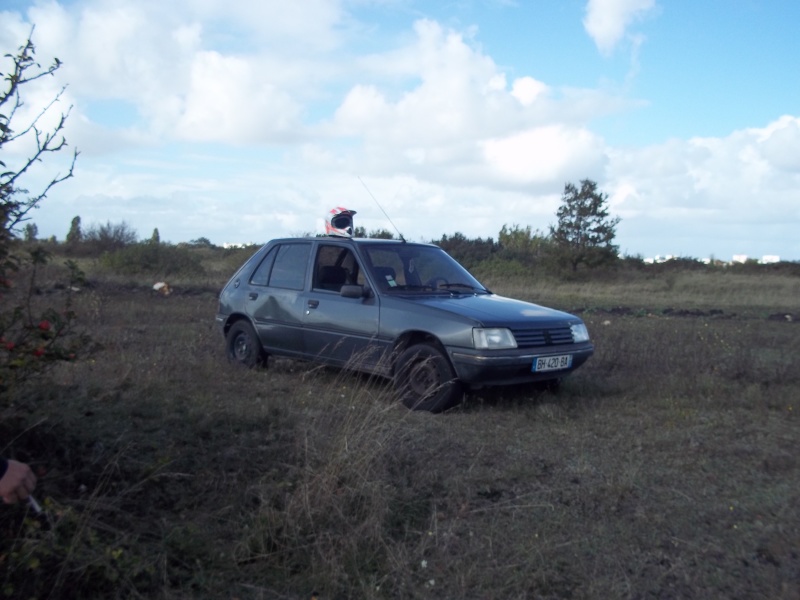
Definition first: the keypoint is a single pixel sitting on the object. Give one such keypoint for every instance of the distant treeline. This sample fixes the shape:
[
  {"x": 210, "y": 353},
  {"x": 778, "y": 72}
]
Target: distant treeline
[{"x": 517, "y": 251}]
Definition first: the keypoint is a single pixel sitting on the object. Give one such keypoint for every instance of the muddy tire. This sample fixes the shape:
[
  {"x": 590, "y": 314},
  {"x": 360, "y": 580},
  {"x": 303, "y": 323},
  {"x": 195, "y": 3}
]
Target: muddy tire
[
  {"x": 243, "y": 346},
  {"x": 425, "y": 380}
]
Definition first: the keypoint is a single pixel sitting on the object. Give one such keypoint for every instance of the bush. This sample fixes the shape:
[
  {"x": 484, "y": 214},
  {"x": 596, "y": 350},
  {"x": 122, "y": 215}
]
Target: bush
[
  {"x": 468, "y": 252},
  {"x": 162, "y": 260},
  {"x": 108, "y": 237},
  {"x": 33, "y": 336},
  {"x": 501, "y": 268}
]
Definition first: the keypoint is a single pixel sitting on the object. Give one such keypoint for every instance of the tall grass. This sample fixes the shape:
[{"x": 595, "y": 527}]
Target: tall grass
[
  {"x": 752, "y": 294},
  {"x": 666, "y": 467}
]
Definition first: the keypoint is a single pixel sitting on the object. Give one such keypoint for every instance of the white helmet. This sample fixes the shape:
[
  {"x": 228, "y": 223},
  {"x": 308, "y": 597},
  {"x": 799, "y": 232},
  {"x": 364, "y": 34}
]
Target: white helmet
[{"x": 339, "y": 221}]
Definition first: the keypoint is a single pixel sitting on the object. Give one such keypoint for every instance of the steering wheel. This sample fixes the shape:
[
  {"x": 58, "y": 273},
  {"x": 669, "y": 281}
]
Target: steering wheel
[{"x": 436, "y": 282}]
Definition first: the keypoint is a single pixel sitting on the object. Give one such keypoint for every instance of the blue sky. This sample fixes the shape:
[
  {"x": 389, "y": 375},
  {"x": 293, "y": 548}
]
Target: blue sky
[{"x": 245, "y": 121}]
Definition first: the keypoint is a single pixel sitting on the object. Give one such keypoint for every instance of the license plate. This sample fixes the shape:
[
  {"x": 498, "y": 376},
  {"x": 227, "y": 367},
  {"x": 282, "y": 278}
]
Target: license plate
[{"x": 551, "y": 363}]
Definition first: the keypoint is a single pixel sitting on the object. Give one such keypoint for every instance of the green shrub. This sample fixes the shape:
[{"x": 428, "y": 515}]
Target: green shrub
[
  {"x": 468, "y": 252},
  {"x": 34, "y": 334},
  {"x": 501, "y": 268},
  {"x": 162, "y": 260},
  {"x": 107, "y": 237}
]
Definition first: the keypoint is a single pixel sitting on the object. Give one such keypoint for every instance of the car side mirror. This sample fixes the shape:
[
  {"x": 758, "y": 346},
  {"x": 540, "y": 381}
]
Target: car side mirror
[{"x": 354, "y": 291}]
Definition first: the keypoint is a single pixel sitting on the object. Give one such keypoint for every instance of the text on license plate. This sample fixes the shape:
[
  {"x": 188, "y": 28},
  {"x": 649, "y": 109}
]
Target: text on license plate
[{"x": 551, "y": 363}]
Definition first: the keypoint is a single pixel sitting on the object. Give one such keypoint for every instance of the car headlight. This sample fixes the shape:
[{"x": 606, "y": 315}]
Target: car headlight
[
  {"x": 579, "y": 333},
  {"x": 496, "y": 338}
]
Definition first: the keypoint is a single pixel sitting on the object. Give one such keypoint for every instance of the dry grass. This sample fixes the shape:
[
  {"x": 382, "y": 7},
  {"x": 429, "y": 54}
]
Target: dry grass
[
  {"x": 666, "y": 467},
  {"x": 718, "y": 289}
]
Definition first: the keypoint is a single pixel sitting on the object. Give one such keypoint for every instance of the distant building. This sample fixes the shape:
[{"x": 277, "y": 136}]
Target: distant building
[{"x": 767, "y": 259}]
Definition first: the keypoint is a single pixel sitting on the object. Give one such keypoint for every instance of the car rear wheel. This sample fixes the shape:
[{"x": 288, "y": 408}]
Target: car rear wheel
[
  {"x": 243, "y": 346},
  {"x": 425, "y": 380}
]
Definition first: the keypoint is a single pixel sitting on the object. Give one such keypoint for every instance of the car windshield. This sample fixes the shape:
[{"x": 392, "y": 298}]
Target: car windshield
[{"x": 411, "y": 268}]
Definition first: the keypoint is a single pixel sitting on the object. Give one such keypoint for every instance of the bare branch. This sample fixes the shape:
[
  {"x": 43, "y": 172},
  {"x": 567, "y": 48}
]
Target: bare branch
[
  {"x": 32, "y": 125},
  {"x": 15, "y": 201}
]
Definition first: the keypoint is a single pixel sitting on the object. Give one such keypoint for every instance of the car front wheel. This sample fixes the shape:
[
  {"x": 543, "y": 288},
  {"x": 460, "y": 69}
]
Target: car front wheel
[
  {"x": 425, "y": 380},
  {"x": 243, "y": 346}
]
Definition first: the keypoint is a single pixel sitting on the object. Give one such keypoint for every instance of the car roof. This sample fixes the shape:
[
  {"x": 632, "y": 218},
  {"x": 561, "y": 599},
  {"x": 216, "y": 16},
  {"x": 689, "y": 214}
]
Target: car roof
[{"x": 344, "y": 240}]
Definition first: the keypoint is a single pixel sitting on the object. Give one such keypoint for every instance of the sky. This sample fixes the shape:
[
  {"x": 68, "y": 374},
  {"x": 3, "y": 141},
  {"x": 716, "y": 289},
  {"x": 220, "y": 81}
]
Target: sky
[{"x": 244, "y": 121}]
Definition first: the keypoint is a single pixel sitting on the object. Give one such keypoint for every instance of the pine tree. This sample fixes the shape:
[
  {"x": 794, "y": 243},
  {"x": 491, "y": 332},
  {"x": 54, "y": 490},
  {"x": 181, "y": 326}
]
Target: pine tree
[{"x": 585, "y": 232}]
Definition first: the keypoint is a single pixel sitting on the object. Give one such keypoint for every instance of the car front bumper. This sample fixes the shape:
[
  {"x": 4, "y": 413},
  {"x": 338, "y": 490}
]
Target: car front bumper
[{"x": 478, "y": 368}]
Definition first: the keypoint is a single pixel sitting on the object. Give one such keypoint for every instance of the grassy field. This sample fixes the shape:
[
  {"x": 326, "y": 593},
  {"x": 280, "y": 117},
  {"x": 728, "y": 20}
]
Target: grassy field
[{"x": 666, "y": 467}]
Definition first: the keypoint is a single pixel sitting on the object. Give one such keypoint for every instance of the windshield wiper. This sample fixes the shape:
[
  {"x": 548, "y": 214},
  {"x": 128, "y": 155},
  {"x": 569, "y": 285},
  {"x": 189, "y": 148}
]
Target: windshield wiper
[
  {"x": 467, "y": 286},
  {"x": 407, "y": 287},
  {"x": 441, "y": 287}
]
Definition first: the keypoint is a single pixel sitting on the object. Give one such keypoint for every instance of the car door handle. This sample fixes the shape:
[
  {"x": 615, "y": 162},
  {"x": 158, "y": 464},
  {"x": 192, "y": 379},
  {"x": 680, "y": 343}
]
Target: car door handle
[
  {"x": 253, "y": 295},
  {"x": 313, "y": 303}
]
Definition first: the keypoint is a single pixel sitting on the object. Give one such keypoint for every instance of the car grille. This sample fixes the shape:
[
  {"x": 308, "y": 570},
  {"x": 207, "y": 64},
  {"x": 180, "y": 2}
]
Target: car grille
[{"x": 543, "y": 336}]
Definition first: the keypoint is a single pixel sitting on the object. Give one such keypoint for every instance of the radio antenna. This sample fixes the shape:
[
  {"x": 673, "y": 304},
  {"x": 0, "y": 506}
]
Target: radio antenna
[{"x": 402, "y": 239}]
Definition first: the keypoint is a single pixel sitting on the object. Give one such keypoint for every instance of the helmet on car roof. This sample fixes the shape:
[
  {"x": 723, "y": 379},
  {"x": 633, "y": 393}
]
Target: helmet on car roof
[{"x": 339, "y": 221}]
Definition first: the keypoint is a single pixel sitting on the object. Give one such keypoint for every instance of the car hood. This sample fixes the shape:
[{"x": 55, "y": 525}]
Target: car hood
[{"x": 491, "y": 310}]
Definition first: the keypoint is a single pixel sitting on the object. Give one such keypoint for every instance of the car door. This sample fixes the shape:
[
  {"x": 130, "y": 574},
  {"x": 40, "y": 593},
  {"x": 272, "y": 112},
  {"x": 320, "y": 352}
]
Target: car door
[
  {"x": 338, "y": 330},
  {"x": 275, "y": 301}
]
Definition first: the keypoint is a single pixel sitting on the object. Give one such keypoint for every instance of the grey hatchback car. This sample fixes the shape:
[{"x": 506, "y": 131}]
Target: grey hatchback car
[{"x": 405, "y": 311}]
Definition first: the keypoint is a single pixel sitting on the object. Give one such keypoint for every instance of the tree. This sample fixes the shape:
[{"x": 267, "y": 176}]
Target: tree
[
  {"x": 381, "y": 234},
  {"x": 585, "y": 232},
  {"x": 74, "y": 235},
  {"x": 156, "y": 237},
  {"x": 109, "y": 237},
  {"x": 30, "y": 232},
  {"x": 522, "y": 244},
  {"x": 202, "y": 242},
  {"x": 469, "y": 252}
]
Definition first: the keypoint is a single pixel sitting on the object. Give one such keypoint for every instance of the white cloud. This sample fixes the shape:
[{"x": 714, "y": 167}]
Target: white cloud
[
  {"x": 527, "y": 90},
  {"x": 717, "y": 195},
  {"x": 227, "y": 101},
  {"x": 546, "y": 154},
  {"x": 780, "y": 144},
  {"x": 462, "y": 124},
  {"x": 302, "y": 28},
  {"x": 454, "y": 97},
  {"x": 606, "y": 21},
  {"x": 364, "y": 108},
  {"x": 183, "y": 73}
]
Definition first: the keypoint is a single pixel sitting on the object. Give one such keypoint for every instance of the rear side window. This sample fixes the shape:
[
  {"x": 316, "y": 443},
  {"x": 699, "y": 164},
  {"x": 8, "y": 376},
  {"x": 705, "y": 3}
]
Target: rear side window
[
  {"x": 261, "y": 275},
  {"x": 283, "y": 267},
  {"x": 289, "y": 269}
]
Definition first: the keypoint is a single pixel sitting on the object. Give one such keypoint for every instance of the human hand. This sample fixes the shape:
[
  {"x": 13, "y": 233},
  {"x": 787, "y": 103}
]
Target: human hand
[{"x": 17, "y": 483}]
